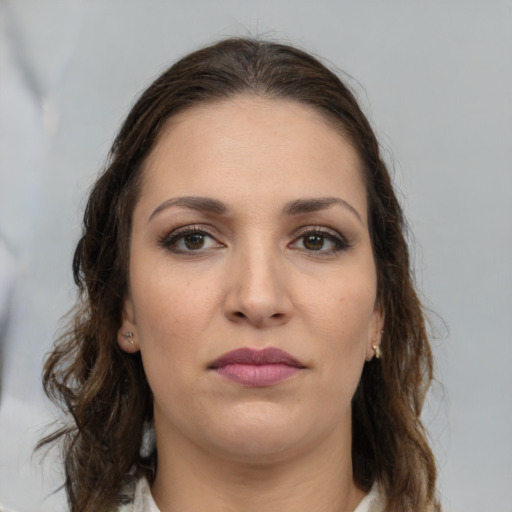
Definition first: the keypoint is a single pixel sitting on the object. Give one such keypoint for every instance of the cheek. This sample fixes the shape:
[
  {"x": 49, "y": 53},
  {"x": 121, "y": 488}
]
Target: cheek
[
  {"x": 167, "y": 330},
  {"x": 341, "y": 320},
  {"x": 171, "y": 313},
  {"x": 345, "y": 307}
]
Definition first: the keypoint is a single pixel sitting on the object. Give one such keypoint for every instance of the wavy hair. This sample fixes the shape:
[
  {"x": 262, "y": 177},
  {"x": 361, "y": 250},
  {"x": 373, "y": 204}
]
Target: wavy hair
[{"x": 104, "y": 390}]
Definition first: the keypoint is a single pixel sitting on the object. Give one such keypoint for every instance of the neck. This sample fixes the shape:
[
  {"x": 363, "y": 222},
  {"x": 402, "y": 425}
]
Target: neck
[{"x": 191, "y": 480}]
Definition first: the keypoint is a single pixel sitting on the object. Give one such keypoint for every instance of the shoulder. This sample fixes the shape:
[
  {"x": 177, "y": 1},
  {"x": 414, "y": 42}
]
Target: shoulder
[{"x": 142, "y": 499}]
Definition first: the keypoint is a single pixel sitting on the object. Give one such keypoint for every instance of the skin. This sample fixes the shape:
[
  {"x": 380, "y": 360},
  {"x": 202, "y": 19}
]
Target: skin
[{"x": 258, "y": 277}]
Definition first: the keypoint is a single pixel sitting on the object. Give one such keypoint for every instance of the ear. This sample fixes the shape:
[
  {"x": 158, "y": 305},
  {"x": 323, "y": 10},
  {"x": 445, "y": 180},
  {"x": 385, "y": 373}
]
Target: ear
[
  {"x": 375, "y": 334},
  {"x": 127, "y": 337}
]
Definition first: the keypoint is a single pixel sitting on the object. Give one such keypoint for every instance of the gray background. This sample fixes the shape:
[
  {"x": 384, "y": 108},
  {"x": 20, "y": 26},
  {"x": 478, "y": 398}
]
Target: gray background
[{"x": 435, "y": 79}]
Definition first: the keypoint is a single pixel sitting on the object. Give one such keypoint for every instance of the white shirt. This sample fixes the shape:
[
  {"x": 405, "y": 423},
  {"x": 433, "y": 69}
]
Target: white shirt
[{"x": 143, "y": 501}]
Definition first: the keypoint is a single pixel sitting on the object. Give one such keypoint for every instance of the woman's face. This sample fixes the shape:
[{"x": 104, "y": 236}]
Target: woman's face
[{"x": 252, "y": 280}]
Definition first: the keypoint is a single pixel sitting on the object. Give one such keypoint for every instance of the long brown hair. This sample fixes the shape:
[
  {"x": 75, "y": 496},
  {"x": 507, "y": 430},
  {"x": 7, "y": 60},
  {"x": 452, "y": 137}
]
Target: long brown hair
[{"x": 105, "y": 390}]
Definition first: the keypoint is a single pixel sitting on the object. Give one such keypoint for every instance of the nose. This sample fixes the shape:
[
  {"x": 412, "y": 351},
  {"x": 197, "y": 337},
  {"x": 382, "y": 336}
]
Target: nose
[{"x": 258, "y": 292}]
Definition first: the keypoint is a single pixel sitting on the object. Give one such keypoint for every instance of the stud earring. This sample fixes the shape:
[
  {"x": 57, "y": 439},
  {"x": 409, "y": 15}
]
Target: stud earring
[{"x": 129, "y": 337}]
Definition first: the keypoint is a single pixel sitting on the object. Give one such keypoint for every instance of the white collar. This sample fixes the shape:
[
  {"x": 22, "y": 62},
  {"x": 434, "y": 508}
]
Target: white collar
[
  {"x": 372, "y": 502},
  {"x": 143, "y": 500}
]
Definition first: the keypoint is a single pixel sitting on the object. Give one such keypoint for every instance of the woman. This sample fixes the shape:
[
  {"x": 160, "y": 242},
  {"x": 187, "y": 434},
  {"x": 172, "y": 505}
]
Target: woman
[{"x": 245, "y": 294}]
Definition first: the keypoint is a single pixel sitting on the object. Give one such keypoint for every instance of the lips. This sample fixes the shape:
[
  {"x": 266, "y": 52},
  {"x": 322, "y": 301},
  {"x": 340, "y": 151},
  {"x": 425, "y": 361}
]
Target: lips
[{"x": 257, "y": 368}]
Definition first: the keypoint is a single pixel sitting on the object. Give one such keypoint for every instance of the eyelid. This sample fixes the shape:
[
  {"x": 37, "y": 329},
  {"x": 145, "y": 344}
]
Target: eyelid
[{"x": 316, "y": 228}]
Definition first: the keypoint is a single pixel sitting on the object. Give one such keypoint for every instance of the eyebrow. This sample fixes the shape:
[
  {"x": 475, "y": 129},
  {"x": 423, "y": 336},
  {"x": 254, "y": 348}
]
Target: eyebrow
[
  {"x": 216, "y": 207},
  {"x": 202, "y": 204},
  {"x": 317, "y": 204}
]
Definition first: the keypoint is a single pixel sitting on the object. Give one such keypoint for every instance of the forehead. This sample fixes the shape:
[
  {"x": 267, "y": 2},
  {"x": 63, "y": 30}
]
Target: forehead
[{"x": 249, "y": 147}]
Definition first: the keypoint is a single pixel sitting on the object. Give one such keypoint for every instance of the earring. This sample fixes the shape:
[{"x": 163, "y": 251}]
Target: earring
[
  {"x": 377, "y": 350},
  {"x": 128, "y": 336}
]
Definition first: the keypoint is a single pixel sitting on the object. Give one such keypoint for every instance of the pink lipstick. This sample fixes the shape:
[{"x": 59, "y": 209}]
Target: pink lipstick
[{"x": 257, "y": 368}]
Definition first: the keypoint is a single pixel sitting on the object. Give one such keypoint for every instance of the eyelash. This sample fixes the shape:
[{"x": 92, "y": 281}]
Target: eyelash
[{"x": 171, "y": 240}]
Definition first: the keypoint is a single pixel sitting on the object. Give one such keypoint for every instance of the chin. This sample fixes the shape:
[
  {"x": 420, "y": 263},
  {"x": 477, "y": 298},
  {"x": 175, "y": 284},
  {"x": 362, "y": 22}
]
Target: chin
[
  {"x": 262, "y": 435},
  {"x": 257, "y": 448}
]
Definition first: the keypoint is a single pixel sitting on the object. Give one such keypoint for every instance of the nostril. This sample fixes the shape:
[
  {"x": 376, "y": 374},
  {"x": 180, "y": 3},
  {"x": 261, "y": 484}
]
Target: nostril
[{"x": 239, "y": 314}]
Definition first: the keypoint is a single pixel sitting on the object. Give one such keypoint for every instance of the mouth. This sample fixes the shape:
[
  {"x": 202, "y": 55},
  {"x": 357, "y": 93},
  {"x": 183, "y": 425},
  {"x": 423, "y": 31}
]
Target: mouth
[{"x": 257, "y": 368}]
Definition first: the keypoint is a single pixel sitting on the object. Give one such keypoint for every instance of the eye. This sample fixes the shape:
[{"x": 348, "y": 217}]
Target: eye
[
  {"x": 190, "y": 240},
  {"x": 320, "y": 240},
  {"x": 314, "y": 242}
]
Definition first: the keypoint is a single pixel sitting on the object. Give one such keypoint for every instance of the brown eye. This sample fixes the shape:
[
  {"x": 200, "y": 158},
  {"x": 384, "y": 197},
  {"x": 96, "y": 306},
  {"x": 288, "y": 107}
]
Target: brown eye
[
  {"x": 190, "y": 241},
  {"x": 313, "y": 242},
  {"x": 322, "y": 241},
  {"x": 194, "y": 241}
]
